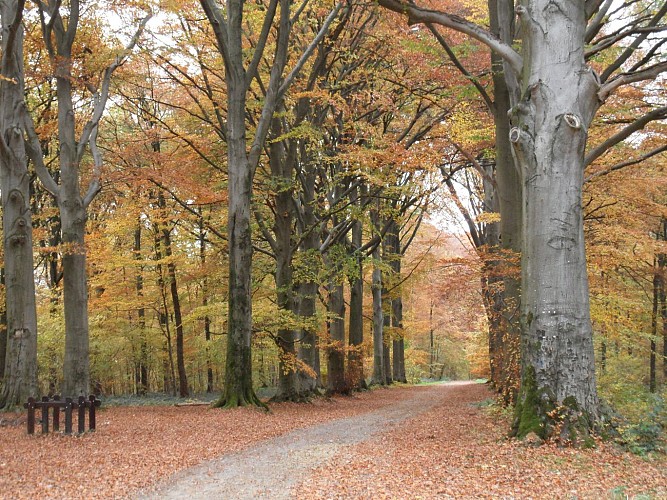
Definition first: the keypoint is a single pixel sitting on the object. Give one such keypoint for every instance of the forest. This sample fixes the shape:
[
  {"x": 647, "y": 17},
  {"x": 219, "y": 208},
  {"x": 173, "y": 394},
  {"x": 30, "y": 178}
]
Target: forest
[{"x": 288, "y": 199}]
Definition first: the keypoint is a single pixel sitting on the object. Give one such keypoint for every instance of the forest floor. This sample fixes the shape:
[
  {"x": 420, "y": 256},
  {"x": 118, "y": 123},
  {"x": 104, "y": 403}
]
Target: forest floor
[{"x": 404, "y": 442}]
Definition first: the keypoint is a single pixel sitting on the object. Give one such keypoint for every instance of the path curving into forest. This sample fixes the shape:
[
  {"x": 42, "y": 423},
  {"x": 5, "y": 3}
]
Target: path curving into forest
[{"x": 272, "y": 468}]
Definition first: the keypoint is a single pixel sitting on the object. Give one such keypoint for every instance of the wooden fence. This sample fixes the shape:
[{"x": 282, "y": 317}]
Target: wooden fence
[{"x": 52, "y": 407}]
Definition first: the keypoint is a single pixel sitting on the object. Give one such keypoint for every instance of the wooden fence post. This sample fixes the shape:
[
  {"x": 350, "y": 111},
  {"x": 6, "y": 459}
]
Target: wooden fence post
[
  {"x": 82, "y": 414},
  {"x": 56, "y": 414},
  {"x": 45, "y": 415},
  {"x": 30, "y": 405},
  {"x": 91, "y": 412},
  {"x": 68, "y": 415}
]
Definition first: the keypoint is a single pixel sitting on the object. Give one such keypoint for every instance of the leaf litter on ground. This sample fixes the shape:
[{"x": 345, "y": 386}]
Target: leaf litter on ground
[{"x": 456, "y": 450}]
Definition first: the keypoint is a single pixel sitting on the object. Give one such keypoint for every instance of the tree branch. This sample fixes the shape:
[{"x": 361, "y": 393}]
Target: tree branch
[
  {"x": 638, "y": 124},
  {"x": 632, "y": 49},
  {"x": 627, "y": 163},
  {"x": 219, "y": 26},
  {"x": 261, "y": 42},
  {"x": 419, "y": 15},
  {"x": 103, "y": 94},
  {"x": 452, "y": 57},
  {"x": 34, "y": 149},
  {"x": 625, "y": 79}
]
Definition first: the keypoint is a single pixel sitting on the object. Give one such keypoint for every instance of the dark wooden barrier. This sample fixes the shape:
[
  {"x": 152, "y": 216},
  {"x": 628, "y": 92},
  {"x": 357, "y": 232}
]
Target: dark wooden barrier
[{"x": 67, "y": 407}]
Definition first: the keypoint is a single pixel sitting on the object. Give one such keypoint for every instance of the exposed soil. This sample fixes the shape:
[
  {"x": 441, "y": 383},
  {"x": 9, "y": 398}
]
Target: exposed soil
[{"x": 408, "y": 442}]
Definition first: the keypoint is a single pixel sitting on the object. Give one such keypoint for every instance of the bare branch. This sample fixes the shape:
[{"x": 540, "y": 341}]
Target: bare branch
[
  {"x": 103, "y": 94},
  {"x": 627, "y": 163},
  {"x": 629, "y": 51},
  {"x": 14, "y": 29},
  {"x": 627, "y": 78},
  {"x": 638, "y": 124},
  {"x": 34, "y": 150}
]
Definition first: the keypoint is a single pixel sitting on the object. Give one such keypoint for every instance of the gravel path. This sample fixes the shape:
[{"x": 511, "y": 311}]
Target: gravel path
[{"x": 272, "y": 468}]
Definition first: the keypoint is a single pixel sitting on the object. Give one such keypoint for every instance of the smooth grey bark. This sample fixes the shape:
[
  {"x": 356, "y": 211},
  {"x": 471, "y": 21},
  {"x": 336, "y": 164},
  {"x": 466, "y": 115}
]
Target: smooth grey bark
[
  {"x": 3, "y": 329},
  {"x": 394, "y": 256},
  {"x": 307, "y": 290},
  {"x": 20, "y": 368},
  {"x": 508, "y": 199},
  {"x": 662, "y": 262},
  {"x": 550, "y": 125},
  {"x": 398, "y": 344},
  {"x": 282, "y": 163},
  {"x": 654, "y": 326},
  {"x": 387, "y": 343}
]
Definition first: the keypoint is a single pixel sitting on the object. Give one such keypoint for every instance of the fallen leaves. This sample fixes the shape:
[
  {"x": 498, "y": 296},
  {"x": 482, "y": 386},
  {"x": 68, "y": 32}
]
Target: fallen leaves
[
  {"x": 447, "y": 452},
  {"x": 454, "y": 450},
  {"x": 134, "y": 447}
]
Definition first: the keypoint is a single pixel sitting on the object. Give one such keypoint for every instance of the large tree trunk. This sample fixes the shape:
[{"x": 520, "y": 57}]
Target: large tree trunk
[
  {"x": 396, "y": 304},
  {"x": 21, "y": 349},
  {"x": 238, "y": 389},
  {"x": 76, "y": 369},
  {"x": 398, "y": 344},
  {"x": 379, "y": 367},
  {"x": 3, "y": 328},
  {"x": 387, "y": 339},
  {"x": 549, "y": 136},
  {"x": 662, "y": 265},
  {"x": 655, "y": 312},
  {"x": 355, "y": 360}
]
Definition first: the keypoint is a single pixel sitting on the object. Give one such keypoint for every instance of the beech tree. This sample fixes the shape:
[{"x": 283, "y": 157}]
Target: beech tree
[
  {"x": 60, "y": 25},
  {"x": 228, "y": 27},
  {"x": 20, "y": 371},
  {"x": 555, "y": 95}
]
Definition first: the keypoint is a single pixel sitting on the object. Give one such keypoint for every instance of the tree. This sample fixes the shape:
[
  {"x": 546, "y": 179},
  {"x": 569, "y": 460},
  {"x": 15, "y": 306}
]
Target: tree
[
  {"x": 20, "y": 368},
  {"x": 555, "y": 96},
  {"x": 242, "y": 164},
  {"x": 59, "y": 31}
]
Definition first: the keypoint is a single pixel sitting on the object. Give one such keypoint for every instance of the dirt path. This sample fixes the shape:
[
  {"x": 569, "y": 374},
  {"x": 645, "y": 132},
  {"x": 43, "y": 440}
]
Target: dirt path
[{"x": 272, "y": 468}]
